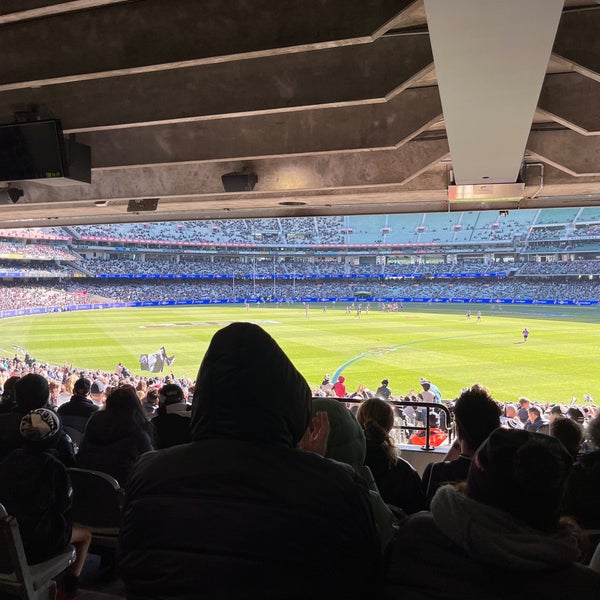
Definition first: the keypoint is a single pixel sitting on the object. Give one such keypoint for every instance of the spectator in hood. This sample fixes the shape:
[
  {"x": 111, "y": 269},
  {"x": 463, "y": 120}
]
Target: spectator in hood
[
  {"x": 241, "y": 507},
  {"x": 501, "y": 530},
  {"x": 339, "y": 388}
]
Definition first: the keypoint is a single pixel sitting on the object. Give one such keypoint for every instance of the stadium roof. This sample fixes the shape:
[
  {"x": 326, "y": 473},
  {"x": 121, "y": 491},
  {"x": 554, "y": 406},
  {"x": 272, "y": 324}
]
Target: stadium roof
[{"x": 338, "y": 106}]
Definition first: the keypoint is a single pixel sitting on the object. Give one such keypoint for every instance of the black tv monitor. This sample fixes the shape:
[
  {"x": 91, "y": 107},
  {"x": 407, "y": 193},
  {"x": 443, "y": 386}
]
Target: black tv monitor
[{"x": 33, "y": 150}]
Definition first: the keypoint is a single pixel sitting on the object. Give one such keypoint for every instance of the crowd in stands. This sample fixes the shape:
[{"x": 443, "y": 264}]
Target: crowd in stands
[
  {"x": 298, "y": 230},
  {"x": 27, "y": 251},
  {"x": 14, "y": 295},
  {"x": 567, "y": 267},
  {"x": 505, "y": 507}
]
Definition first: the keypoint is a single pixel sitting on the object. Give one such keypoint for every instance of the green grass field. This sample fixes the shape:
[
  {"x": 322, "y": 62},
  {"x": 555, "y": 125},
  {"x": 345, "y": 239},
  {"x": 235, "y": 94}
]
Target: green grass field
[{"x": 559, "y": 361}]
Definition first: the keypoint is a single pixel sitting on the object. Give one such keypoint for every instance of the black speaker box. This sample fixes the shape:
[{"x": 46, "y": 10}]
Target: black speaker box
[{"x": 239, "y": 182}]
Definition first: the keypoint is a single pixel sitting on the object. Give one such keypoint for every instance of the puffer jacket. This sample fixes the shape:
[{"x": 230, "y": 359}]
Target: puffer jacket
[
  {"x": 347, "y": 445},
  {"x": 240, "y": 512}
]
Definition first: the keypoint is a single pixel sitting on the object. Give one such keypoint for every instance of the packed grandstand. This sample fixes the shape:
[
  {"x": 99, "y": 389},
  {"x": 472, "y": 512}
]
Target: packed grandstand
[{"x": 546, "y": 256}]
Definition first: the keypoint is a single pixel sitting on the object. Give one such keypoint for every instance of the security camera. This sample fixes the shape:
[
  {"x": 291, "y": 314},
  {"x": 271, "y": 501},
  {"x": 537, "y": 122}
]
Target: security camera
[{"x": 14, "y": 194}]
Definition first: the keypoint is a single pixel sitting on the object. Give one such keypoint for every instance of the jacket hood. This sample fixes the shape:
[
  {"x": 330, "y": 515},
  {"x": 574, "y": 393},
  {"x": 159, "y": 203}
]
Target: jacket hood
[
  {"x": 248, "y": 389},
  {"x": 346, "y": 441},
  {"x": 495, "y": 537}
]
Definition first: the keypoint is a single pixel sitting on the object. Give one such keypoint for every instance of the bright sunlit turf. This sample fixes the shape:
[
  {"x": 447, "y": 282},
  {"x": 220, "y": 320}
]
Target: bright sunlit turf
[{"x": 560, "y": 359}]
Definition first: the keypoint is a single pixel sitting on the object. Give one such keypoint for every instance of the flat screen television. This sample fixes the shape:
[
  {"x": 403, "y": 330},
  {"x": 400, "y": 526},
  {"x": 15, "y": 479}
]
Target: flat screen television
[{"x": 33, "y": 150}]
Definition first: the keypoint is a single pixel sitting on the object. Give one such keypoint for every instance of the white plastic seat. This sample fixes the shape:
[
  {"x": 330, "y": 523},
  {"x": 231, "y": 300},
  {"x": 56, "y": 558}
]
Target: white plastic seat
[{"x": 17, "y": 577}]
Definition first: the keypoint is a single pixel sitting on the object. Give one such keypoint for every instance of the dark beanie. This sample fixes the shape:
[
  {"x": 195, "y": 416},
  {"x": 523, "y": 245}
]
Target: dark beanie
[
  {"x": 31, "y": 392},
  {"x": 521, "y": 473}
]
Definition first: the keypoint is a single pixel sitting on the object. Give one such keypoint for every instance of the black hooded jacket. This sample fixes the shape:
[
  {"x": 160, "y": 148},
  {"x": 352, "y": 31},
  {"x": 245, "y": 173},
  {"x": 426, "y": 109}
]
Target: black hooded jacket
[{"x": 240, "y": 512}]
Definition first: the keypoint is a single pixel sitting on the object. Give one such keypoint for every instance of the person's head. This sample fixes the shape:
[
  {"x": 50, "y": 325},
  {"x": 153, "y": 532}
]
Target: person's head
[
  {"x": 575, "y": 414},
  {"x": 510, "y": 411},
  {"x": 39, "y": 429},
  {"x": 123, "y": 405},
  {"x": 248, "y": 389},
  {"x": 8, "y": 390},
  {"x": 31, "y": 392},
  {"x": 521, "y": 473},
  {"x": 555, "y": 412},
  {"x": 569, "y": 433},
  {"x": 593, "y": 431},
  {"x": 82, "y": 386},
  {"x": 170, "y": 395},
  {"x": 376, "y": 417},
  {"x": 97, "y": 391},
  {"x": 152, "y": 396},
  {"x": 534, "y": 413},
  {"x": 524, "y": 402},
  {"x": 476, "y": 415},
  {"x": 385, "y": 382},
  {"x": 346, "y": 441},
  {"x": 425, "y": 384}
]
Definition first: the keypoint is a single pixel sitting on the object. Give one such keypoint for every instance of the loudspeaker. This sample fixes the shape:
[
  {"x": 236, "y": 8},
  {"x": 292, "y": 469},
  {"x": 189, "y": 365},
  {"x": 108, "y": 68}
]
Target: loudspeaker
[
  {"x": 142, "y": 204},
  {"x": 239, "y": 182}
]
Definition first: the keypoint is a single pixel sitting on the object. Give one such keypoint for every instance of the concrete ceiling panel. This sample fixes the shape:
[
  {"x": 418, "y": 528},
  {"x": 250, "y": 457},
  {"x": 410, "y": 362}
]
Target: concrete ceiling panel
[
  {"x": 335, "y": 76},
  {"x": 567, "y": 150},
  {"x": 572, "y": 100},
  {"x": 138, "y": 36},
  {"x": 373, "y": 126},
  {"x": 578, "y": 40}
]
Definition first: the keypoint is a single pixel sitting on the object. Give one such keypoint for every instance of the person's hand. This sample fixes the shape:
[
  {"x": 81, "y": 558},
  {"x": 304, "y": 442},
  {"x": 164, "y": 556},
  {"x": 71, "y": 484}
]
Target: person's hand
[{"x": 316, "y": 435}]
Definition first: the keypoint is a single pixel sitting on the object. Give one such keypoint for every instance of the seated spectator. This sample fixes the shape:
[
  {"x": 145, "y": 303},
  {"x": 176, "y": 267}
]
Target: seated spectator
[
  {"x": 241, "y": 507},
  {"x": 8, "y": 402},
  {"x": 398, "y": 483},
  {"x": 116, "y": 436},
  {"x": 524, "y": 404},
  {"x": 511, "y": 420},
  {"x": 346, "y": 444},
  {"x": 98, "y": 393},
  {"x": 76, "y": 412},
  {"x": 569, "y": 434},
  {"x": 476, "y": 415},
  {"x": 150, "y": 401},
  {"x": 32, "y": 392},
  {"x": 534, "y": 419},
  {"x": 171, "y": 425},
  {"x": 583, "y": 496},
  {"x": 35, "y": 488},
  {"x": 500, "y": 535},
  {"x": 554, "y": 413}
]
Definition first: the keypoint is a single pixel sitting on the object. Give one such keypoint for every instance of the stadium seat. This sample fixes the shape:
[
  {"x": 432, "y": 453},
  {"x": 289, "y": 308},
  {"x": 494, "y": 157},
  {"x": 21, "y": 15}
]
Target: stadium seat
[
  {"x": 97, "y": 503},
  {"x": 19, "y": 579}
]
